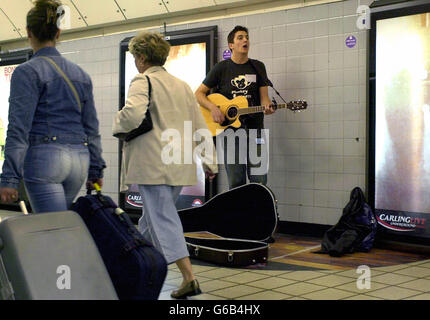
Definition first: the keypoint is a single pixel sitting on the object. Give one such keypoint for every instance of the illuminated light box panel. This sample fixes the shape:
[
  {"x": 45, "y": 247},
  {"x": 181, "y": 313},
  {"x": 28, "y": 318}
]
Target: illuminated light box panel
[
  {"x": 399, "y": 120},
  {"x": 8, "y": 63}
]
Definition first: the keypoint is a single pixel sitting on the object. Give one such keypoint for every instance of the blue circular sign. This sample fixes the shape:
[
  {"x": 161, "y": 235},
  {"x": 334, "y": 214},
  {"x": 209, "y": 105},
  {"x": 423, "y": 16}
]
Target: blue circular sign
[
  {"x": 226, "y": 54},
  {"x": 351, "y": 41}
]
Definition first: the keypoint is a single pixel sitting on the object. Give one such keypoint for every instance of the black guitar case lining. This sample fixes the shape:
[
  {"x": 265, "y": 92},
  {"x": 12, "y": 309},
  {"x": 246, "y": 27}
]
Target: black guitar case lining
[{"x": 243, "y": 217}]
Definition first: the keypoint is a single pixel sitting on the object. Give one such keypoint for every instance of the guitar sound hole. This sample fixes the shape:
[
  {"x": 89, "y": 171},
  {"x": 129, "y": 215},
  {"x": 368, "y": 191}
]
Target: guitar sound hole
[{"x": 232, "y": 112}]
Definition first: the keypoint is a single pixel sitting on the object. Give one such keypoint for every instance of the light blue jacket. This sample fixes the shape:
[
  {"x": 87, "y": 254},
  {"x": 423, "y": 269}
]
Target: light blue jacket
[{"x": 43, "y": 109}]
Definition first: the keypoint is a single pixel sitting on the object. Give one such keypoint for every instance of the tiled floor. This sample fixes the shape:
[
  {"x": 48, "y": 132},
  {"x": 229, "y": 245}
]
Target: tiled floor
[
  {"x": 409, "y": 281},
  {"x": 406, "y": 281}
]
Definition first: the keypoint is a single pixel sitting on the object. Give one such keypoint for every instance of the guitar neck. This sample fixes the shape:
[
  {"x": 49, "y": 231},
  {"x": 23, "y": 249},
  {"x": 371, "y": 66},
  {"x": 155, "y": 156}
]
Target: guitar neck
[{"x": 257, "y": 109}]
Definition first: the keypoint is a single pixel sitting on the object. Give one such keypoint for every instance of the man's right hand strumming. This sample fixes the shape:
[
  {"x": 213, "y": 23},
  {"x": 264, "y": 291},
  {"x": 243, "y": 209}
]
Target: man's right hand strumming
[
  {"x": 200, "y": 94},
  {"x": 217, "y": 115}
]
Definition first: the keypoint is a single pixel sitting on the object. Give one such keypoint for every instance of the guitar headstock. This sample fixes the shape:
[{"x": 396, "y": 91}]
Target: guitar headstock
[{"x": 297, "y": 105}]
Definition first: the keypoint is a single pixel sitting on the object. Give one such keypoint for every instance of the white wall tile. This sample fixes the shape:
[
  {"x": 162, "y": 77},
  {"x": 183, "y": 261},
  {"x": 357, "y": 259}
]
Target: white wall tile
[
  {"x": 336, "y": 95},
  {"x": 351, "y": 129},
  {"x": 293, "y": 31},
  {"x": 350, "y": 7},
  {"x": 350, "y": 23},
  {"x": 308, "y": 13},
  {"x": 350, "y": 58},
  {"x": 335, "y": 181},
  {"x": 351, "y": 76},
  {"x": 278, "y": 18},
  {"x": 335, "y": 26},
  {"x": 322, "y": 12},
  {"x": 307, "y": 30},
  {"x": 279, "y": 49},
  {"x": 307, "y": 147},
  {"x": 319, "y": 216},
  {"x": 289, "y": 213},
  {"x": 351, "y": 111},
  {"x": 322, "y": 98},
  {"x": 336, "y": 129},
  {"x": 321, "y": 45},
  {"x": 306, "y": 46},
  {"x": 335, "y": 60},
  {"x": 336, "y": 42},
  {"x": 293, "y": 16},
  {"x": 351, "y": 94},
  {"x": 333, "y": 215},
  {"x": 353, "y": 147},
  {"x": 335, "y": 78},
  {"x": 335, "y": 9},
  {"x": 293, "y": 48},
  {"x": 307, "y": 164},
  {"x": 307, "y": 180},
  {"x": 279, "y": 33},
  {"x": 321, "y": 164},
  {"x": 321, "y": 198},
  {"x": 335, "y": 147},
  {"x": 307, "y": 64},
  {"x": 321, "y": 61},
  {"x": 306, "y": 214},
  {"x": 321, "y": 28},
  {"x": 321, "y": 130},
  {"x": 293, "y": 64},
  {"x": 335, "y": 199},
  {"x": 335, "y": 164},
  {"x": 307, "y": 197},
  {"x": 354, "y": 165},
  {"x": 321, "y": 181}
]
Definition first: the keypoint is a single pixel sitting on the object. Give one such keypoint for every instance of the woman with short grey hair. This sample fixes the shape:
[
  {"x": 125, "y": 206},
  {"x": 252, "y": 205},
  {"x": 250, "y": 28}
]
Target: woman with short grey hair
[
  {"x": 171, "y": 103},
  {"x": 151, "y": 47}
]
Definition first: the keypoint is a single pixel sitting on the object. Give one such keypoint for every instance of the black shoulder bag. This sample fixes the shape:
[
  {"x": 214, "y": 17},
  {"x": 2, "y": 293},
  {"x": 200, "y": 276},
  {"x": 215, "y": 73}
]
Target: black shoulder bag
[{"x": 146, "y": 124}]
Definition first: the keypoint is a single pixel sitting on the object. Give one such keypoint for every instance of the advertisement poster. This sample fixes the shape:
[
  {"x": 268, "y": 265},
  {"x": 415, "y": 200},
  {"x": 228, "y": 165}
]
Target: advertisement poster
[
  {"x": 5, "y": 76},
  {"x": 186, "y": 62},
  {"x": 402, "y": 135}
]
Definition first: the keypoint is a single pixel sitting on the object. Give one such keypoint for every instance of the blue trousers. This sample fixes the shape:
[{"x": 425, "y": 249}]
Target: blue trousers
[
  {"x": 160, "y": 223},
  {"x": 53, "y": 175}
]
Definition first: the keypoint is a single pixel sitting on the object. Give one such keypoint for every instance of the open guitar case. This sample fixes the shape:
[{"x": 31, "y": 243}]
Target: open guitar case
[{"x": 242, "y": 218}]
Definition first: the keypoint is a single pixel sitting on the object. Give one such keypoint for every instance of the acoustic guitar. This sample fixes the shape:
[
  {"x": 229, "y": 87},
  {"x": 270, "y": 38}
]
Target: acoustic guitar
[{"x": 233, "y": 109}]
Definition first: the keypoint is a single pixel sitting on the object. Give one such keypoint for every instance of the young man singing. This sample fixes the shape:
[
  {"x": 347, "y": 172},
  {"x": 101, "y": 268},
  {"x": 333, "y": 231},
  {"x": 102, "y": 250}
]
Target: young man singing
[{"x": 241, "y": 76}]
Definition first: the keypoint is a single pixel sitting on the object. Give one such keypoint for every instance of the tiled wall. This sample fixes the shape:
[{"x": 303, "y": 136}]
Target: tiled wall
[{"x": 316, "y": 156}]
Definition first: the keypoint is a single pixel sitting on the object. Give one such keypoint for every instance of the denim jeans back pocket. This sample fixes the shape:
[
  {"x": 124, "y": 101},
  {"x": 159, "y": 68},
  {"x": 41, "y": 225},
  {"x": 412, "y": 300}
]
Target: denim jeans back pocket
[{"x": 46, "y": 164}]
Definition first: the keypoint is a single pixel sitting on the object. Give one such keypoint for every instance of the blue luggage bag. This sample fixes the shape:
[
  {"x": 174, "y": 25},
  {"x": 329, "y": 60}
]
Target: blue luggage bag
[{"x": 136, "y": 268}]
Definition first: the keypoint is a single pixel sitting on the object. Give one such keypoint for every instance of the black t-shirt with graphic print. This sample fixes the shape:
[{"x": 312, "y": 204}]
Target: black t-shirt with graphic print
[{"x": 231, "y": 80}]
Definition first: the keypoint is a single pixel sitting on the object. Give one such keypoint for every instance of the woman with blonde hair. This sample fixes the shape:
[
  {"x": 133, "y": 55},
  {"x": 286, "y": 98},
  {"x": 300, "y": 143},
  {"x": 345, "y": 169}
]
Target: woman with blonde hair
[
  {"x": 171, "y": 103},
  {"x": 53, "y": 139}
]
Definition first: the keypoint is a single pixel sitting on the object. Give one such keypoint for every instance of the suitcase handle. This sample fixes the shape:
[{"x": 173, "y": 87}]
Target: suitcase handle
[
  {"x": 99, "y": 195},
  {"x": 96, "y": 187}
]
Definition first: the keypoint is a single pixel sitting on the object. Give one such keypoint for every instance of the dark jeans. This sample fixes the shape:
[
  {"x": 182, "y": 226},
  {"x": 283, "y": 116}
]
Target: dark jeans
[{"x": 245, "y": 156}]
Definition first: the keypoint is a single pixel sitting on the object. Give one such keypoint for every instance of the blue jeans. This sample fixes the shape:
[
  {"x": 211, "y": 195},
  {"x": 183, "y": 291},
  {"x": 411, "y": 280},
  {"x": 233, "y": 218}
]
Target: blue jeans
[{"x": 53, "y": 175}]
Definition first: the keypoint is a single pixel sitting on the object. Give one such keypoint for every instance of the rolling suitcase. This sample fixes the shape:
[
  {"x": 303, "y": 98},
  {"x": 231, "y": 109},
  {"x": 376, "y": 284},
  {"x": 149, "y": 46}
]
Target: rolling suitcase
[
  {"x": 241, "y": 219},
  {"x": 51, "y": 256},
  {"x": 136, "y": 267}
]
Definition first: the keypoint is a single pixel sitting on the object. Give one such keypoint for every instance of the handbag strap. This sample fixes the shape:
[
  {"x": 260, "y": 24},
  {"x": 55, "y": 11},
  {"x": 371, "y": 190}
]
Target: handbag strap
[
  {"x": 72, "y": 87},
  {"x": 149, "y": 91}
]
